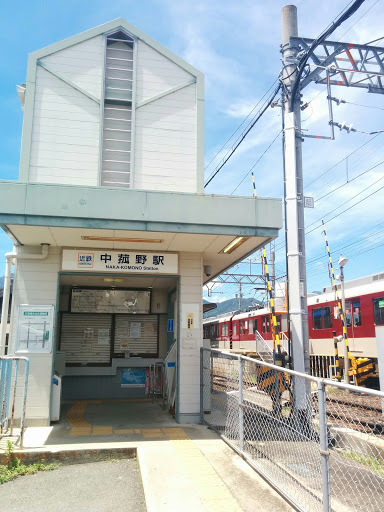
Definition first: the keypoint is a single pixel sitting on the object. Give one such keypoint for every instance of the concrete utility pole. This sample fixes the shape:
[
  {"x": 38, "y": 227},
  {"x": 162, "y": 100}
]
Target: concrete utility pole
[{"x": 294, "y": 201}]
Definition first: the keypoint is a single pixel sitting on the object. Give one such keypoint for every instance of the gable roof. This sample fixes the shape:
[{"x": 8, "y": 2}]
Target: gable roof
[{"x": 118, "y": 23}]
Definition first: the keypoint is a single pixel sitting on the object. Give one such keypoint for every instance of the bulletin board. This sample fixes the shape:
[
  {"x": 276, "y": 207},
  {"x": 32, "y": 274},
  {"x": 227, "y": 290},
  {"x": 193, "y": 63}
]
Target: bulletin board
[{"x": 110, "y": 301}]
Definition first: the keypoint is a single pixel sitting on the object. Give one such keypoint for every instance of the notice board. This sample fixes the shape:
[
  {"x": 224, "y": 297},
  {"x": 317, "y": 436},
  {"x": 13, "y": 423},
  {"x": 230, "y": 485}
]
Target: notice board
[{"x": 110, "y": 301}]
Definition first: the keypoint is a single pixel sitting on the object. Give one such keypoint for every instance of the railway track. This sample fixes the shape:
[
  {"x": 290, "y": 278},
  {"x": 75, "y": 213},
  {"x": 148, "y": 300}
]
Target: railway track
[{"x": 360, "y": 413}]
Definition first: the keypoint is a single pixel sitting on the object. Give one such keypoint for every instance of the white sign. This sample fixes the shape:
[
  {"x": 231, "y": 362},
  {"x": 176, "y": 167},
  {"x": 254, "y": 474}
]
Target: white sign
[
  {"x": 103, "y": 337},
  {"x": 120, "y": 261},
  {"x": 190, "y": 316},
  {"x": 309, "y": 202},
  {"x": 35, "y": 329},
  {"x": 135, "y": 330}
]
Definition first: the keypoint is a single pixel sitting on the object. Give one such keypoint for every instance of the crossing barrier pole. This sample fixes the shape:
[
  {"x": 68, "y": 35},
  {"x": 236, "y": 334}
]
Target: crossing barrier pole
[{"x": 339, "y": 305}]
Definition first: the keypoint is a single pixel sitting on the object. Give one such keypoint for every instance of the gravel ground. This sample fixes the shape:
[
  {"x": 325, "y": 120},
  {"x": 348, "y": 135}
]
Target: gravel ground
[{"x": 98, "y": 487}]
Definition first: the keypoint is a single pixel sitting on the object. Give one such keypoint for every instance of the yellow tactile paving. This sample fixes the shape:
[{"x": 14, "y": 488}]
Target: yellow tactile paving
[
  {"x": 80, "y": 431},
  {"x": 120, "y": 431},
  {"x": 213, "y": 493},
  {"x": 102, "y": 431},
  {"x": 152, "y": 433},
  {"x": 75, "y": 414}
]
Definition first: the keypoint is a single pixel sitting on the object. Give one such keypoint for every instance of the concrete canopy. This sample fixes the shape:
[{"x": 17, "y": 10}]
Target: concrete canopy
[{"x": 34, "y": 213}]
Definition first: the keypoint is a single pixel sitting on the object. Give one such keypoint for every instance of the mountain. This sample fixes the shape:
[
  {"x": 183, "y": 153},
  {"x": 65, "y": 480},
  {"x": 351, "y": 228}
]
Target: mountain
[{"x": 231, "y": 305}]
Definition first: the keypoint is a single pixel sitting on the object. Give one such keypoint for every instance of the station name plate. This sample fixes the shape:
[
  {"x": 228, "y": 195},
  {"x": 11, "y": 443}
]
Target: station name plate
[{"x": 120, "y": 261}]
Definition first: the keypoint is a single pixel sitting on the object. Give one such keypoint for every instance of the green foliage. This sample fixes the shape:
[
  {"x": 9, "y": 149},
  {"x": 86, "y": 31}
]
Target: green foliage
[
  {"x": 14, "y": 467},
  {"x": 369, "y": 461}
]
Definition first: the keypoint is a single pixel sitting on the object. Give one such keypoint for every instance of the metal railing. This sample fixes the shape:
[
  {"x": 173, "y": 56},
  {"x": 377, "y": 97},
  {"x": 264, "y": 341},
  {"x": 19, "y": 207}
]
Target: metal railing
[
  {"x": 284, "y": 340},
  {"x": 319, "y": 442},
  {"x": 263, "y": 349},
  {"x": 9, "y": 384}
]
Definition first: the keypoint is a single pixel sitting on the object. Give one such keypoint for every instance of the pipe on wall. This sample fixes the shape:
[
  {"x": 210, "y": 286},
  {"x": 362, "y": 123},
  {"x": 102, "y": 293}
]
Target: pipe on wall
[{"x": 10, "y": 258}]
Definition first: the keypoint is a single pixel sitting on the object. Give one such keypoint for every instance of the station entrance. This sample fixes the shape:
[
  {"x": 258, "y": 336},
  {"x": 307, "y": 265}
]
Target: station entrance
[{"x": 113, "y": 333}]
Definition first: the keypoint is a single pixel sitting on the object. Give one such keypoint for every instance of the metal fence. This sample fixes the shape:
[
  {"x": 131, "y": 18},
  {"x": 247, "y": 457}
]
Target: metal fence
[
  {"x": 10, "y": 383},
  {"x": 319, "y": 442}
]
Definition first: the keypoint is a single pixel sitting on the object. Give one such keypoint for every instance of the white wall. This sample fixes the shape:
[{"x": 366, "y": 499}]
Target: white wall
[
  {"x": 66, "y": 123},
  {"x": 165, "y": 136},
  {"x": 190, "y": 297},
  {"x": 65, "y": 139},
  {"x": 35, "y": 283}
]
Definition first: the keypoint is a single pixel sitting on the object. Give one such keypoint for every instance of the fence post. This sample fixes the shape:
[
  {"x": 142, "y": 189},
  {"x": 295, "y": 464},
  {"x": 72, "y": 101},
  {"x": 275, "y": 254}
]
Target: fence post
[
  {"x": 201, "y": 385},
  {"x": 241, "y": 406},
  {"x": 324, "y": 452}
]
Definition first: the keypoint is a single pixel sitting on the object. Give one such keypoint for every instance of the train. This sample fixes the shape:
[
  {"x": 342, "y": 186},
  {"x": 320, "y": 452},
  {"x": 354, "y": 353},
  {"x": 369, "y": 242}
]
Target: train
[{"x": 364, "y": 314}]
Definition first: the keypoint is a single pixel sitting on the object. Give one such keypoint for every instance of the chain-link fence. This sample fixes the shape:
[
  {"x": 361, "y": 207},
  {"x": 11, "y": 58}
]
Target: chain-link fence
[{"x": 320, "y": 443}]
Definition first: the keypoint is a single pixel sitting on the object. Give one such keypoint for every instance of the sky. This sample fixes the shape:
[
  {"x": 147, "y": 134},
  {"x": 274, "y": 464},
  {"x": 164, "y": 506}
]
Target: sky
[{"x": 237, "y": 46}]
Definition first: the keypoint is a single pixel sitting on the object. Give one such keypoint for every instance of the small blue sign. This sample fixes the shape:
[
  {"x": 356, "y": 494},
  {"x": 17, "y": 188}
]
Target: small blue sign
[
  {"x": 132, "y": 378},
  {"x": 170, "y": 325}
]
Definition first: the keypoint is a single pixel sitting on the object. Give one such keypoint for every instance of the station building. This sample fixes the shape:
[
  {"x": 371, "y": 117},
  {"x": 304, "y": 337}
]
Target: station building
[{"x": 113, "y": 235}]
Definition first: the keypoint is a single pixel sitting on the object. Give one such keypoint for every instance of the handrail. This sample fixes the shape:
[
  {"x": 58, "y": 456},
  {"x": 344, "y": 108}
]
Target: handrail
[
  {"x": 284, "y": 341},
  {"x": 6, "y": 380},
  {"x": 264, "y": 344}
]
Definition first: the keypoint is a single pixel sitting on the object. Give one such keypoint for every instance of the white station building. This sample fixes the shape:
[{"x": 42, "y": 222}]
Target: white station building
[{"x": 113, "y": 234}]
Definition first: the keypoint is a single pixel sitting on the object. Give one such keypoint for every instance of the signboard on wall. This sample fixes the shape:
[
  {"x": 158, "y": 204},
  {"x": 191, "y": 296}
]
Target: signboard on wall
[
  {"x": 133, "y": 378},
  {"x": 120, "y": 261},
  {"x": 35, "y": 329},
  {"x": 110, "y": 301}
]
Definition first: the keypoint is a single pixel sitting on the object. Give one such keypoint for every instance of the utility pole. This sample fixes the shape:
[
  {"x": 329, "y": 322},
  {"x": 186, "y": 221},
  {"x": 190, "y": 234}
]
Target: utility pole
[
  {"x": 342, "y": 262},
  {"x": 294, "y": 204}
]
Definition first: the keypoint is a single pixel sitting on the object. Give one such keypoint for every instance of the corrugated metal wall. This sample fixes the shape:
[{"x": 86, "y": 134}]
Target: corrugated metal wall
[
  {"x": 86, "y": 338},
  {"x": 136, "y": 334}
]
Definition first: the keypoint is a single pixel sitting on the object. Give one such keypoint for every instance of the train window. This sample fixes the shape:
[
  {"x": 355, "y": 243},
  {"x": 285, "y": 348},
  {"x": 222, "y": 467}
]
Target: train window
[
  {"x": 242, "y": 329},
  {"x": 278, "y": 324},
  {"x": 284, "y": 323},
  {"x": 224, "y": 330},
  {"x": 352, "y": 311},
  {"x": 250, "y": 330},
  {"x": 321, "y": 318},
  {"x": 234, "y": 329},
  {"x": 266, "y": 324},
  {"x": 254, "y": 325},
  {"x": 378, "y": 310}
]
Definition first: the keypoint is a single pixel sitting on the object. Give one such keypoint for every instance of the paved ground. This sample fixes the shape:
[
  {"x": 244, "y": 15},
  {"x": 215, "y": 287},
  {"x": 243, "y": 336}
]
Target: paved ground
[
  {"x": 96, "y": 487},
  {"x": 184, "y": 468}
]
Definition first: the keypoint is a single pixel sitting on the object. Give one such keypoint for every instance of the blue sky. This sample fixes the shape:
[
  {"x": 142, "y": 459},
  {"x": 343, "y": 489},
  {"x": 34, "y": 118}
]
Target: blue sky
[{"x": 236, "y": 45}]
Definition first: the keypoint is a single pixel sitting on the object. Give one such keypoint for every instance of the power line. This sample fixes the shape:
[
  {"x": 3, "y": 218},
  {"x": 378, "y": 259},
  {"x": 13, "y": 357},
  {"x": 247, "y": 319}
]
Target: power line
[
  {"x": 258, "y": 160},
  {"x": 375, "y": 40},
  {"x": 357, "y": 21},
  {"x": 241, "y": 124},
  {"x": 338, "y": 215},
  {"x": 342, "y": 160},
  {"x": 340, "y": 101},
  {"x": 234, "y": 148},
  {"x": 347, "y": 13},
  {"x": 349, "y": 181}
]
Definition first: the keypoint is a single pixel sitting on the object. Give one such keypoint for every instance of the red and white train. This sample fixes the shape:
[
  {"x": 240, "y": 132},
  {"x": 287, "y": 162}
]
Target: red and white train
[{"x": 364, "y": 304}]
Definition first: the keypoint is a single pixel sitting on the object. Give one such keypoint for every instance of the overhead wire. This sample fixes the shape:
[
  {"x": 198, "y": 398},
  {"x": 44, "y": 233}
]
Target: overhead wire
[
  {"x": 347, "y": 13},
  {"x": 350, "y": 181},
  {"x": 243, "y": 136},
  {"x": 350, "y": 207},
  {"x": 340, "y": 161},
  {"x": 257, "y": 161},
  {"x": 241, "y": 124}
]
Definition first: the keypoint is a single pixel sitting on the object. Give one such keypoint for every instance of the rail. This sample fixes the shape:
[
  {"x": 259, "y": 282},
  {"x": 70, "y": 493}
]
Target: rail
[
  {"x": 319, "y": 442},
  {"x": 263, "y": 349},
  {"x": 9, "y": 385},
  {"x": 284, "y": 341}
]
